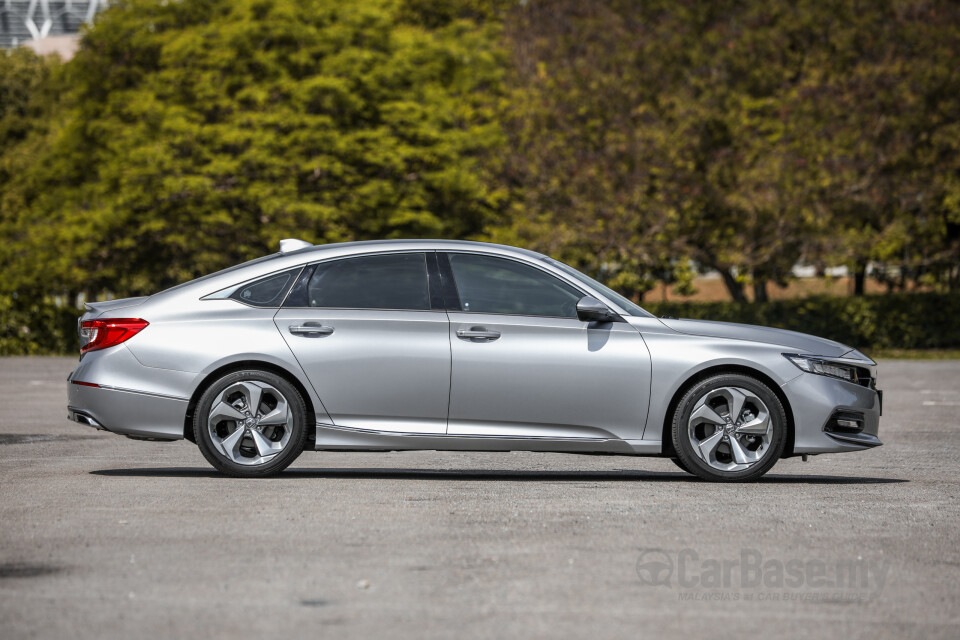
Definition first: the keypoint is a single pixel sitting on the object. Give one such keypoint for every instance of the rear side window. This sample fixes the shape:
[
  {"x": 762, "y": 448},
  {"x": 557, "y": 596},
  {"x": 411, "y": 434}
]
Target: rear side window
[
  {"x": 393, "y": 281},
  {"x": 266, "y": 292},
  {"x": 496, "y": 285}
]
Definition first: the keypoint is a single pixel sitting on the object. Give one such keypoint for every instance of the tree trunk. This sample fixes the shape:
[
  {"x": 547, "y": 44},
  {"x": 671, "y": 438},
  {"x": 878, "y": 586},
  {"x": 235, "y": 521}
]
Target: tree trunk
[
  {"x": 760, "y": 291},
  {"x": 859, "y": 277},
  {"x": 733, "y": 286}
]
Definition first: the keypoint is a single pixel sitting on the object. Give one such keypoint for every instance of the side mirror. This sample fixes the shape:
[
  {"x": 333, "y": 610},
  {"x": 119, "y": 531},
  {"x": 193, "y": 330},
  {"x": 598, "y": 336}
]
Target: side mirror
[{"x": 592, "y": 310}]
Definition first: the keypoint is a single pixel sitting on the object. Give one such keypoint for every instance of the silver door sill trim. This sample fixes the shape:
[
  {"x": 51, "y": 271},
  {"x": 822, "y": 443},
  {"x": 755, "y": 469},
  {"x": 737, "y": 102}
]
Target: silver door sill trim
[
  {"x": 338, "y": 438},
  {"x": 457, "y": 435}
]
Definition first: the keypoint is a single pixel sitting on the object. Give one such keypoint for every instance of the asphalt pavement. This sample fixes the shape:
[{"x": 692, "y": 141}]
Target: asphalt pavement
[{"x": 106, "y": 537}]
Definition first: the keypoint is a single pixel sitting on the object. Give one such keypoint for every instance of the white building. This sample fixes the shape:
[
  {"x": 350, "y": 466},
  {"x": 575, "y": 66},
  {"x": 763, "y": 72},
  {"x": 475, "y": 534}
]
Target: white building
[{"x": 47, "y": 26}]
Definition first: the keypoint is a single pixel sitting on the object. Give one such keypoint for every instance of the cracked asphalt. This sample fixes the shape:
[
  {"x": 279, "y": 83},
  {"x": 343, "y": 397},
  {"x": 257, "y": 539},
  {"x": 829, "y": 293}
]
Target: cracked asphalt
[{"x": 105, "y": 537}]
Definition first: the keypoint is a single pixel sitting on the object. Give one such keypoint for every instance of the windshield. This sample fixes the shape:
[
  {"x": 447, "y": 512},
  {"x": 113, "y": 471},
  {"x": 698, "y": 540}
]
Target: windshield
[{"x": 624, "y": 303}]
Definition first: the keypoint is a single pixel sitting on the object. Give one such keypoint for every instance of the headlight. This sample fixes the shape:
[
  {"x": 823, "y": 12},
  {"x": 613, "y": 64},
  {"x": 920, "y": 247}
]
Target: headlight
[{"x": 813, "y": 364}]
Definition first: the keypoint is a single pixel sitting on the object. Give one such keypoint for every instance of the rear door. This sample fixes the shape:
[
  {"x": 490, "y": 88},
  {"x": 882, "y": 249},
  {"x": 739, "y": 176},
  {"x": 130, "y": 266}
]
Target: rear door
[{"x": 372, "y": 337}]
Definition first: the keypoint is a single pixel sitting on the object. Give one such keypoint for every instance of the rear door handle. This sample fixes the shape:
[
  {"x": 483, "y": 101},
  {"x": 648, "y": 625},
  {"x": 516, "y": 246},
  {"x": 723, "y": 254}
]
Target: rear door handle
[
  {"x": 477, "y": 333},
  {"x": 310, "y": 329}
]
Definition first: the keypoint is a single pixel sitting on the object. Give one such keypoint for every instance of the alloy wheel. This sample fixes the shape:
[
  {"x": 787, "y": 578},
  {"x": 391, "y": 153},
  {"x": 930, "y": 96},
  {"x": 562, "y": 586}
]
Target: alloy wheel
[
  {"x": 250, "y": 422},
  {"x": 730, "y": 428}
]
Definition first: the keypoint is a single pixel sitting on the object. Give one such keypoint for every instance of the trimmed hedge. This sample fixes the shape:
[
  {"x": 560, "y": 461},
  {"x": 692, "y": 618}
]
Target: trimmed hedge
[
  {"x": 892, "y": 321},
  {"x": 897, "y": 321},
  {"x": 37, "y": 328}
]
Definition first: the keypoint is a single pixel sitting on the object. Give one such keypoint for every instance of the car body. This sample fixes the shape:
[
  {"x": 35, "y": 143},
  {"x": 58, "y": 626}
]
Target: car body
[{"x": 453, "y": 345}]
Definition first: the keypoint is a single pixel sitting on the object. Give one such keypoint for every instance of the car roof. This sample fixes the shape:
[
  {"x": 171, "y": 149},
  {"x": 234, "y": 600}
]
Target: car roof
[
  {"x": 372, "y": 245},
  {"x": 265, "y": 265}
]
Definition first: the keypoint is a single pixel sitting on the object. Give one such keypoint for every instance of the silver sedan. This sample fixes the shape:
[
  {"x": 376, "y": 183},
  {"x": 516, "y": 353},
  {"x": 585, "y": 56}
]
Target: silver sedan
[{"x": 447, "y": 345}]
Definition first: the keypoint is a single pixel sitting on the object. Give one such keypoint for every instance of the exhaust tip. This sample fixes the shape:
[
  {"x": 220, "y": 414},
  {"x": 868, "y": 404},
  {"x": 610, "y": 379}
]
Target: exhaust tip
[{"x": 81, "y": 417}]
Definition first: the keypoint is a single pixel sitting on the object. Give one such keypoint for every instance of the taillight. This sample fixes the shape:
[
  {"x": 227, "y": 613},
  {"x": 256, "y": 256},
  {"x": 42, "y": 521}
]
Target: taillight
[{"x": 100, "y": 334}]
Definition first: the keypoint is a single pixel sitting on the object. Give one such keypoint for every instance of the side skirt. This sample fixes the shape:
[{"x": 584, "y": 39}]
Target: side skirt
[{"x": 334, "y": 438}]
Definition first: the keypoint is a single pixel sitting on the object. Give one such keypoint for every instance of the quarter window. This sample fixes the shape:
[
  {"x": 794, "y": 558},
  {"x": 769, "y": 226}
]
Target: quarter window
[
  {"x": 495, "y": 285},
  {"x": 392, "y": 281},
  {"x": 266, "y": 292}
]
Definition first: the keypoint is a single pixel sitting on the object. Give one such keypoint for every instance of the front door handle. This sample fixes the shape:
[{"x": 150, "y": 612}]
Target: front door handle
[
  {"x": 310, "y": 329},
  {"x": 477, "y": 333}
]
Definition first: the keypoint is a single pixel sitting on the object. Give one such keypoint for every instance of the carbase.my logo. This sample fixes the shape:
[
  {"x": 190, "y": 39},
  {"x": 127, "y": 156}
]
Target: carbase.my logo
[
  {"x": 751, "y": 570},
  {"x": 655, "y": 567}
]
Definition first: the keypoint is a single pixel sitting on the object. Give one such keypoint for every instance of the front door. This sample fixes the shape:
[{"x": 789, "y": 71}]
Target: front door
[
  {"x": 525, "y": 366},
  {"x": 374, "y": 347}
]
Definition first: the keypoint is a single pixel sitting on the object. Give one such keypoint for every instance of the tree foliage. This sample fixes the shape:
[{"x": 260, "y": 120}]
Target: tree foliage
[
  {"x": 743, "y": 135},
  {"x": 640, "y": 141},
  {"x": 199, "y": 133}
]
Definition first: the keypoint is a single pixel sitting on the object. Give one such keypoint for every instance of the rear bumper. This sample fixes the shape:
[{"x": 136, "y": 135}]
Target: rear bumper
[
  {"x": 127, "y": 412},
  {"x": 118, "y": 394}
]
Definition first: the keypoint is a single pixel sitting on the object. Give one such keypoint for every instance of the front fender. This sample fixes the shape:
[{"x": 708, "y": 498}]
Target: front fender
[{"x": 677, "y": 358}]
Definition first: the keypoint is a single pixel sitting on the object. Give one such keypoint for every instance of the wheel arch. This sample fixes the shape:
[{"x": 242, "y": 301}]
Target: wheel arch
[
  {"x": 242, "y": 365},
  {"x": 667, "y": 430}
]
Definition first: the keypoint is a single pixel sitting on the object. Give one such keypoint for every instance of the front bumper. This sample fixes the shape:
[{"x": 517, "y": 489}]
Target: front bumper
[{"x": 814, "y": 400}]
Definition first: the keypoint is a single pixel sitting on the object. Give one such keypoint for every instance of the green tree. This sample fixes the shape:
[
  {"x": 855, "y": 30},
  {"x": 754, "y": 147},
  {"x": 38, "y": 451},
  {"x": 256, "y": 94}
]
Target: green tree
[
  {"x": 198, "y": 134},
  {"x": 743, "y": 135},
  {"x": 578, "y": 166},
  {"x": 29, "y": 92},
  {"x": 631, "y": 139},
  {"x": 885, "y": 104}
]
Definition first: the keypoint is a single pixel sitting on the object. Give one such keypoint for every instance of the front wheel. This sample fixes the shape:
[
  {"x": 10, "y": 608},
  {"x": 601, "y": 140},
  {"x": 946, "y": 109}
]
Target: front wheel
[
  {"x": 729, "y": 428},
  {"x": 250, "y": 424}
]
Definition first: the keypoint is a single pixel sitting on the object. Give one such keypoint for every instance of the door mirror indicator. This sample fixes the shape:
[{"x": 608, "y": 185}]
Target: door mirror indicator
[{"x": 592, "y": 310}]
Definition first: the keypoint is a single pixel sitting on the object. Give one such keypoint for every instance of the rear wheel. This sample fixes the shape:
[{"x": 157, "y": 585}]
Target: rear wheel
[
  {"x": 729, "y": 428},
  {"x": 250, "y": 424}
]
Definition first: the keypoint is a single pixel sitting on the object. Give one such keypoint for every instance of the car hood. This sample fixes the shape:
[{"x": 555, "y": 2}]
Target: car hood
[{"x": 801, "y": 342}]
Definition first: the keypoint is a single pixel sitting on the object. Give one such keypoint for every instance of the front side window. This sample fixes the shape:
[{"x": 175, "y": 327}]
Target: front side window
[
  {"x": 628, "y": 306},
  {"x": 487, "y": 284},
  {"x": 391, "y": 281},
  {"x": 268, "y": 291}
]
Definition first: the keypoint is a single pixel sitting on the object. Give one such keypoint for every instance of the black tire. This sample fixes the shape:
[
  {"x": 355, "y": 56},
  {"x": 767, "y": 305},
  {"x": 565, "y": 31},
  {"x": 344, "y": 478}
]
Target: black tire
[
  {"x": 282, "y": 460},
  {"x": 688, "y": 458}
]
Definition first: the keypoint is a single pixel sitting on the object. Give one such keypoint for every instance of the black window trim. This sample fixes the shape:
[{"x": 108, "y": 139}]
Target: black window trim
[
  {"x": 455, "y": 305},
  {"x": 451, "y": 295},
  {"x": 434, "y": 282},
  {"x": 433, "y": 299}
]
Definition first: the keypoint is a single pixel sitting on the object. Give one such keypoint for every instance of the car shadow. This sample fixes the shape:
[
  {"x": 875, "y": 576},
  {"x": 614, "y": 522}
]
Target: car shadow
[{"x": 497, "y": 475}]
